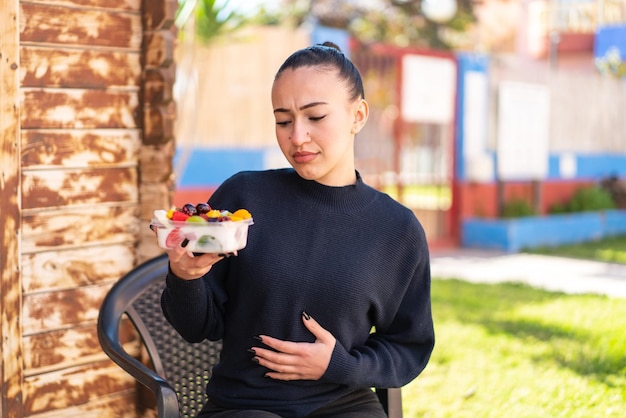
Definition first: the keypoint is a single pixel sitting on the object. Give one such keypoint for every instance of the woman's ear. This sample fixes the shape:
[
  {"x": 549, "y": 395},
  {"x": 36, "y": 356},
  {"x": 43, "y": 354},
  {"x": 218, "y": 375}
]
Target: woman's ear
[{"x": 360, "y": 116}]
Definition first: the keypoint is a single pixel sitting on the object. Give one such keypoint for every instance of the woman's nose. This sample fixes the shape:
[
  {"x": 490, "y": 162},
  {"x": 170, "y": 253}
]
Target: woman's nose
[{"x": 299, "y": 134}]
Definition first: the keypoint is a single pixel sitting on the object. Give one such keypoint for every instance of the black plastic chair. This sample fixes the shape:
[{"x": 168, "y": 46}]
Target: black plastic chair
[{"x": 181, "y": 370}]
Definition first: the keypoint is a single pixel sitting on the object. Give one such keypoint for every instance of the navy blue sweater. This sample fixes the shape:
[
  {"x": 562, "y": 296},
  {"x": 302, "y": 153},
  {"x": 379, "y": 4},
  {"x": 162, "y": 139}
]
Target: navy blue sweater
[{"x": 351, "y": 257}]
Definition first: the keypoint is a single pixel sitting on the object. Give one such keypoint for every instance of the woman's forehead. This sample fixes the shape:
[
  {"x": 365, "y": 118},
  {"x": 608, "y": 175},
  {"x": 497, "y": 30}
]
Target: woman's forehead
[
  {"x": 306, "y": 79},
  {"x": 310, "y": 71}
]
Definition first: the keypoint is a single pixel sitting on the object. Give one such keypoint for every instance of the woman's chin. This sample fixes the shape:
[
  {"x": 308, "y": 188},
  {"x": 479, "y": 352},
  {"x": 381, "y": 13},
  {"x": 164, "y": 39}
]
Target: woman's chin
[{"x": 305, "y": 173}]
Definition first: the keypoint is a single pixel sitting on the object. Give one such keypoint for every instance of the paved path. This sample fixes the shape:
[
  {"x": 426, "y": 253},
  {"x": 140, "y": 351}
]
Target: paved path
[{"x": 546, "y": 272}]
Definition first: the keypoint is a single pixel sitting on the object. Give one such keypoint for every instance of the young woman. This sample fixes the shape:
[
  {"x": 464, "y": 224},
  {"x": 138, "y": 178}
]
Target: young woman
[{"x": 331, "y": 295}]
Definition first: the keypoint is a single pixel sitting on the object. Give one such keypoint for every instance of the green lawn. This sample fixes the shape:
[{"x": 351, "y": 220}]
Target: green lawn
[
  {"x": 612, "y": 249},
  {"x": 511, "y": 351}
]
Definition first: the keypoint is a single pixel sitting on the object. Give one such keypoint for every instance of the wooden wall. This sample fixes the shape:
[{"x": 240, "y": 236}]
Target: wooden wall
[
  {"x": 87, "y": 146},
  {"x": 10, "y": 292}
]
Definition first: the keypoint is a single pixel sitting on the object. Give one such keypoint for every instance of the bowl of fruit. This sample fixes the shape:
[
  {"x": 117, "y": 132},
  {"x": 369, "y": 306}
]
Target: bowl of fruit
[{"x": 202, "y": 229}]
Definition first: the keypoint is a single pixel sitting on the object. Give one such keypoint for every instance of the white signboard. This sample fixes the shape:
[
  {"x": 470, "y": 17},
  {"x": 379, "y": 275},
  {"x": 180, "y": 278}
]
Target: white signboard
[
  {"x": 428, "y": 89},
  {"x": 475, "y": 117},
  {"x": 523, "y": 131},
  {"x": 479, "y": 164}
]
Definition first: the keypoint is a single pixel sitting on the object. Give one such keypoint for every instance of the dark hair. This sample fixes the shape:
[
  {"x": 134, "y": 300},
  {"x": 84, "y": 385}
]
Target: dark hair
[{"x": 327, "y": 55}]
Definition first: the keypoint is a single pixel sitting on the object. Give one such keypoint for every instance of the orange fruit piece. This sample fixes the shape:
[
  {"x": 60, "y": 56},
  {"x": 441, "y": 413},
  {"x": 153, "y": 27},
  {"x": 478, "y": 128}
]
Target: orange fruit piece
[{"x": 241, "y": 213}]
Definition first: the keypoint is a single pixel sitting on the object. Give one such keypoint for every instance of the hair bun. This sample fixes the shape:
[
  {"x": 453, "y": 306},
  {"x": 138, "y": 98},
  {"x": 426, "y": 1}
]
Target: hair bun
[{"x": 331, "y": 45}]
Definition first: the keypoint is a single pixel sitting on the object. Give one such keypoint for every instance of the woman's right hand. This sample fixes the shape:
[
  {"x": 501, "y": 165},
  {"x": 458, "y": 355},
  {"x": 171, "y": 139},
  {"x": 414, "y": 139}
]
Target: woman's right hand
[{"x": 188, "y": 266}]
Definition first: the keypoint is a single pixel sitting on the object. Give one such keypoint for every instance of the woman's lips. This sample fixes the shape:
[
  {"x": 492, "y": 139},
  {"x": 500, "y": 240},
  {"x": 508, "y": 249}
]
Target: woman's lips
[{"x": 304, "y": 157}]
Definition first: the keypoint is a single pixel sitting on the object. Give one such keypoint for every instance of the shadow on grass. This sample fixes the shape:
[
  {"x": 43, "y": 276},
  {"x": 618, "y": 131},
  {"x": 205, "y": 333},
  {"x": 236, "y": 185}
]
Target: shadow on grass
[{"x": 493, "y": 306}]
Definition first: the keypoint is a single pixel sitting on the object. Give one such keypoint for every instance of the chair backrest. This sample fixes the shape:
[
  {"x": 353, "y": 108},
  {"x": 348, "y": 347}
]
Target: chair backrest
[{"x": 181, "y": 370}]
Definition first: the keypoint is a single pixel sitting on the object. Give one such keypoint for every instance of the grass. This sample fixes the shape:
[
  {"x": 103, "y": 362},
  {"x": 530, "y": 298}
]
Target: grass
[
  {"x": 611, "y": 249},
  {"x": 511, "y": 351}
]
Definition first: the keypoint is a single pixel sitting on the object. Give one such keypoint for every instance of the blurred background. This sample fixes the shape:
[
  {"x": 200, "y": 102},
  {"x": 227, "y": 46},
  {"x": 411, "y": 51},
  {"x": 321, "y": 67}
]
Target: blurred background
[
  {"x": 501, "y": 124},
  {"x": 479, "y": 108}
]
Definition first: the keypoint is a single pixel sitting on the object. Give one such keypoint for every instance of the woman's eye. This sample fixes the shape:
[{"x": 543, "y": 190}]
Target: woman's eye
[
  {"x": 316, "y": 118},
  {"x": 283, "y": 123}
]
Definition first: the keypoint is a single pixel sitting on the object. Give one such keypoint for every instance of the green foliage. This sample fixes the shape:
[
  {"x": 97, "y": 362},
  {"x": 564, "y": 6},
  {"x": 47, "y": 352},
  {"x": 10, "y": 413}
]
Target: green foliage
[
  {"x": 398, "y": 23},
  {"x": 558, "y": 208},
  {"x": 517, "y": 208},
  {"x": 403, "y": 24},
  {"x": 590, "y": 199},
  {"x": 212, "y": 18},
  {"x": 586, "y": 199},
  {"x": 509, "y": 350}
]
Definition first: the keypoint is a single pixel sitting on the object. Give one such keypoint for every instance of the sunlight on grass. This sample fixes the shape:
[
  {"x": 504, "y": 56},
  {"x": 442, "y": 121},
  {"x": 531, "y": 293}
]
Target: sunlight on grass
[
  {"x": 609, "y": 249},
  {"x": 508, "y": 350},
  {"x": 611, "y": 255}
]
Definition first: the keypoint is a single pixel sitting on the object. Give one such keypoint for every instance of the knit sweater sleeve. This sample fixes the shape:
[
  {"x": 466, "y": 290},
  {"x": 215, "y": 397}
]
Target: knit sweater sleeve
[
  {"x": 393, "y": 355},
  {"x": 195, "y": 308}
]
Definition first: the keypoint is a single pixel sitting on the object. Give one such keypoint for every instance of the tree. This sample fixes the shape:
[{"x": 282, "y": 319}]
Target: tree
[{"x": 397, "y": 22}]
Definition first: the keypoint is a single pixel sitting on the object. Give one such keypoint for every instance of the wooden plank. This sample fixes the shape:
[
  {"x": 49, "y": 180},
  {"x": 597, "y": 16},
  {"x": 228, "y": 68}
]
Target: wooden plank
[
  {"x": 128, "y": 5},
  {"x": 57, "y": 270},
  {"x": 10, "y": 279},
  {"x": 79, "y": 148},
  {"x": 79, "y": 227},
  {"x": 78, "y": 109},
  {"x": 44, "y": 312},
  {"x": 78, "y": 68},
  {"x": 158, "y": 117},
  {"x": 159, "y": 15},
  {"x": 119, "y": 405},
  {"x": 158, "y": 84},
  {"x": 159, "y": 49},
  {"x": 157, "y": 163},
  {"x": 56, "y": 350},
  {"x": 75, "y": 386},
  {"x": 148, "y": 247},
  {"x": 55, "y": 24},
  {"x": 55, "y": 188},
  {"x": 155, "y": 196},
  {"x": 159, "y": 123}
]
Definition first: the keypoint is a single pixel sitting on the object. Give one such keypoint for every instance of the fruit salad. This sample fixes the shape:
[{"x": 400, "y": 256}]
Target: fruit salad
[{"x": 202, "y": 229}]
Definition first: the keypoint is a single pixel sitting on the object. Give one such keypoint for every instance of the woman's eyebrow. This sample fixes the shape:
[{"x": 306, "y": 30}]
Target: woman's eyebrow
[{"x": 306, "y": 106}]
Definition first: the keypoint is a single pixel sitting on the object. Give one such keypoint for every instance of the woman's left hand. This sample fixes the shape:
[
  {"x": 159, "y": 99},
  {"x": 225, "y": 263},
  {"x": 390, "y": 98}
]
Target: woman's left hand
[{"x": 297, "y": 361}]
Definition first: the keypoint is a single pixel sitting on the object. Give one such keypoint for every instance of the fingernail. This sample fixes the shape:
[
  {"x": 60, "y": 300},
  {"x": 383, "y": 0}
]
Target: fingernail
[
  {"x": 306, "y": 315},
  {"x": 254, "y": 359},
  {"x": 250, "y": 350},
  {"x": 256, "y": 337},
  {"x": 184, "y": 243}
]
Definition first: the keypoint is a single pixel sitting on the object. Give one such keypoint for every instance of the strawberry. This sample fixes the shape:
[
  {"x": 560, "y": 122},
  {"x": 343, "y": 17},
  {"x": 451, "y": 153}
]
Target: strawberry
[{"x": 179, "y": 216}]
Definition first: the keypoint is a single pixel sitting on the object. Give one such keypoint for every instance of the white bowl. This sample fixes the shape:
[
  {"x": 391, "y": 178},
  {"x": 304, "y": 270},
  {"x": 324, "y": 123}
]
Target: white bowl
[{"x": 210, "y": 237}]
